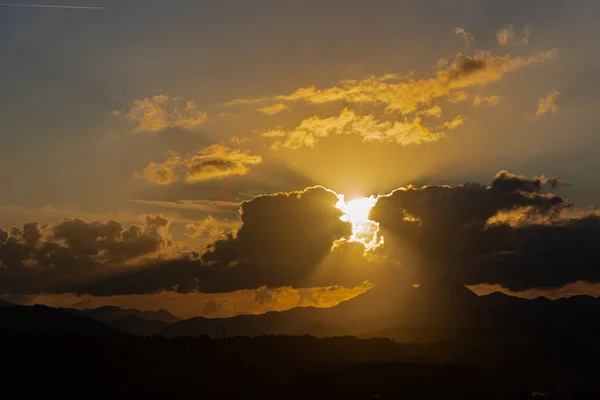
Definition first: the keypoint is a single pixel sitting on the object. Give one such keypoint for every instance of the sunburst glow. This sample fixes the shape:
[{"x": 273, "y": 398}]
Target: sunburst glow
[{"x": 357, "y": 212}]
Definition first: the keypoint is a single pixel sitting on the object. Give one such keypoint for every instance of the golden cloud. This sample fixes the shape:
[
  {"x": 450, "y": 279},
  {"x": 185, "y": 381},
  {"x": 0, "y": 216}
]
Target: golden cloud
[
  {"x": 273, "y": 109},
  {"x": 458, "y": 96},
  {"x": 571, "y": 289},
  {"x": 547, "y": 103},
  {"x": 222, "y": 305},
  {"x": 408, "y": 95},
  {"x": 455, "y": 123},
  {"x": 152, "y": 114},
  {"x": 435, "y": 111},
  {"x": 239, "y": 140},
  {"x": 241, "y": 102},
  {"x": 466, "y": 36},
  {"x": 312, "y": 129},
  {"x": 406, "y": 101},
  {"x": 504, "y": 35},
  {"x": 161, "y": 174},
  {"x": 214, "y": 162},
  {"x": 210, "y": 229}
]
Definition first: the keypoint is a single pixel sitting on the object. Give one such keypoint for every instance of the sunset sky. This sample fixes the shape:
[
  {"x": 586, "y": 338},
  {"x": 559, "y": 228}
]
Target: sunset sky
[{"x": 132, "y": 133}]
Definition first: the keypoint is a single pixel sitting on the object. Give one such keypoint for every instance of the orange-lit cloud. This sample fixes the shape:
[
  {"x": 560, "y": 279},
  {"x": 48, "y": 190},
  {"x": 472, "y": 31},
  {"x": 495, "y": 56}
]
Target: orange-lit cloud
[
  {"x": 214, "y": 162},
  {"x": 468, "y": 39},
  {"x": 458, "y": 96},
  {"x": 274, "y": 109},
  {"x": 547, "y": 103},
  {"x": 155, "y": 114},
  {"x": 48, "y": 257},
  {"x": 435, "y": 111},
  {"x": 239, "y": 102},
  {"x": 239, "y": 140},
  {"x": 214, "y": 305},
  {"x": 455, "y": 123},
  {"x": 312, "y": 129},
  {"x": 210, "y": 229},
  {"x": 580, "y": 288},
  {"x": 504, "y": 35},
  {"x": 510, "y": 233},
  {"x": 507, "y": 35},
  {"x": 161, "y": 174},
  {"x": 407, "y": 97}
]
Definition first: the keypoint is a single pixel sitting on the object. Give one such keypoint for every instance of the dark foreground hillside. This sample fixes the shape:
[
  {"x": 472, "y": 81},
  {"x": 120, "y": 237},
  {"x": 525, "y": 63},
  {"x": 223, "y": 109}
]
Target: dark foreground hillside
[{"x": 564, "y": 366}]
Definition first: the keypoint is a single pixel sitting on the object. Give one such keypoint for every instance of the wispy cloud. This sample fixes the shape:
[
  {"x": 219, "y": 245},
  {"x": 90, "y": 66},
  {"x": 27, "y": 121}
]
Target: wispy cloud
[
  {"x": 212, "y": 206},
  {"x": 274, "y": 109},
  {"x": 312, "y": 129},
  {"x": 409, "y": 103},
  {"x": 467, "y": 37},
  {"x": 504, "y": 35},
  {"x": 412, "y": 95},
  {"x": 155, "y": 114},
  {"x": 548, "y": 103}
]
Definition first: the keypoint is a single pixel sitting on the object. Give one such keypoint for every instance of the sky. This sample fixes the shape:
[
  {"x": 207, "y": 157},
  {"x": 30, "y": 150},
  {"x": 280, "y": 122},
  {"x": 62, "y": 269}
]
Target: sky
[{"x": 192, "y": 156}]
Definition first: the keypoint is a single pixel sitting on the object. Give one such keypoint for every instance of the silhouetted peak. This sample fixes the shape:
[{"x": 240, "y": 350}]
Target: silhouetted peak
[
  {"x": 445, "y": 290},
  {"x": 4, "y": 303},
  {"x": 114, "y": 312},
  {"x": 499, "y": 299},
  {"x": 43, "y": 319},
  {"x": 541, "y": 299},
  {"x": 104, "y": 308}
]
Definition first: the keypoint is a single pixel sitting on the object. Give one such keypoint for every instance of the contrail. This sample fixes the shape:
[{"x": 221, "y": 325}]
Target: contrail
[{"x": 52, "y": 6}]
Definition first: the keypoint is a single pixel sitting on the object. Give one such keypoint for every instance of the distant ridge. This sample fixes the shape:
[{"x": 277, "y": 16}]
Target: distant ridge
[
  {"x": 113, "y": 313},
  {"x": 47, "y": 320},
  {"x": 437, "y": 306},
  {"x": 4, "y": 303},
  {"x": 135, "y": 322},
  {"x": 430, "y": 312}
]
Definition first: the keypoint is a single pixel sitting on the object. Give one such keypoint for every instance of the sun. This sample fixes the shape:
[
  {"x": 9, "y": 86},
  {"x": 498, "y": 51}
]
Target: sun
[{"x": 357, "y": 212}]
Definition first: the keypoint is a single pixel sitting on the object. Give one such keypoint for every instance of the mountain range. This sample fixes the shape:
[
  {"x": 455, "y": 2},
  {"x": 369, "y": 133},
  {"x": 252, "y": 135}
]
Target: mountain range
[{"x": 428, "y": 313}]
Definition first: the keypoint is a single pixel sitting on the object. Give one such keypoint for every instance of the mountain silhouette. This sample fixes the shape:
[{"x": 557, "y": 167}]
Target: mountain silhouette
[
  {"x": 138, "y": 326},
  {"x": 442, "y": 307},
  {"x": 47, "y": 320},
  {"x": 111, "y": 313},
  {"x": 434, "y": 311},
  {"x": 132, "y": 321},
  {"x": 4, "y": 303}
]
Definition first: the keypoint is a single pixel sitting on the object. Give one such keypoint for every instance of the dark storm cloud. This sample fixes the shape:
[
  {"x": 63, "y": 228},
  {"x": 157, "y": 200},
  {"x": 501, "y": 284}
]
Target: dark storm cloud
[
  {"x": 513, "y": 232},
  {"x": 534, "y": 242},
  {"x": 282, "y": 239},
  {"x": 46, "y": 257},
  {"x": 540, "y": 255},
  {"x": 505, "y": 181}
]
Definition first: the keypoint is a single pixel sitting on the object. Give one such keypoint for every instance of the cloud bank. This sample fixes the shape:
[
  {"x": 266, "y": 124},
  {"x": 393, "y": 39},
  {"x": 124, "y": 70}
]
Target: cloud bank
[{"x": 515, "y": 233}]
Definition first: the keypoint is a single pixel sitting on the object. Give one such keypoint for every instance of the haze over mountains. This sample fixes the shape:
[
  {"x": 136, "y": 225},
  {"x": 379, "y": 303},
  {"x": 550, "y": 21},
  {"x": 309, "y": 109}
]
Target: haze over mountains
[{"x": 439, "y": 309}]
